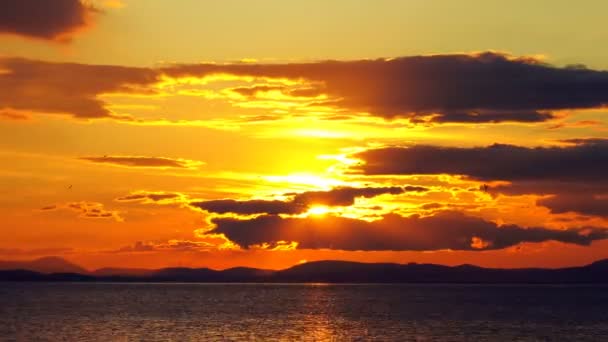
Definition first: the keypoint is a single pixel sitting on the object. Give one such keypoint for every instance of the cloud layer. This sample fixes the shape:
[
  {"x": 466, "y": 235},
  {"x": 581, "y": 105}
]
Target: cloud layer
[
  {"x": 587, "y": 160},
  {"x": 484, "y": 87},
  {"x": 445, "y": 230},
  {"x": 575, "y": 175},
  {"x": 470, "y": 88}
]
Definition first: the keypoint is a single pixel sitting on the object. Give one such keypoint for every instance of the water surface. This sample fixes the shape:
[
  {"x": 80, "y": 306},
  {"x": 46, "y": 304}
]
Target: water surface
[{"x": 301, "y": 312}]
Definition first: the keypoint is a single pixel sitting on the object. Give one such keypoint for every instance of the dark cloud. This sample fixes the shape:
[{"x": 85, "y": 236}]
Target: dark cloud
[
  {"x": 548, "y": 186},
  {"x": 574, "y": 174},
  {"x": 415, "y": 188},
  {"x": 586, "y": 204},
  {"x": 587, "y": 160},
  {"x": 249, "y": 207},
  {"x": 484, "y": 87},
  {"x": 137, "y": 161},
  {"x": 445, "y": 230},
  {"x": 582, "y": 196},
  {"x": 50, "y": 19},
  {"x": 493, "y": 116},
  {"x": 299, "y": 202},
  {"x": 585, "y": 141},
  {"x": 344, "y": 196},
  {"x": 581, "y": 123},
  {"x": 67, "y": 88}
]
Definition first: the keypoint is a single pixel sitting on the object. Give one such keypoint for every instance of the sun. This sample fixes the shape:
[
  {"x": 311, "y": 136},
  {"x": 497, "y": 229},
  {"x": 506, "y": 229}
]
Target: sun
[{"x": 318, "y": 210}]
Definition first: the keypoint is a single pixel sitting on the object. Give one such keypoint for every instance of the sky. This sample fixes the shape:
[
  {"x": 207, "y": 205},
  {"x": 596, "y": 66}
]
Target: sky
[{"x": 155, "y": 133}]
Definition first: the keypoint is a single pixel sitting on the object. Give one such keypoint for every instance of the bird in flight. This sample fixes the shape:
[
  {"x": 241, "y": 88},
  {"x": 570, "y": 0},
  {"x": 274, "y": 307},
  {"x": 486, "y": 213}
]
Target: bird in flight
[{"x": 70, "y": 187}]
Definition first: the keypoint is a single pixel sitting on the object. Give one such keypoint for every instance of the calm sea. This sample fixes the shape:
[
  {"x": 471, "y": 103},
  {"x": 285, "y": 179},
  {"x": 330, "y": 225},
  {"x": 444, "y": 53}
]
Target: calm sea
[{"x": 301, "y": 312}]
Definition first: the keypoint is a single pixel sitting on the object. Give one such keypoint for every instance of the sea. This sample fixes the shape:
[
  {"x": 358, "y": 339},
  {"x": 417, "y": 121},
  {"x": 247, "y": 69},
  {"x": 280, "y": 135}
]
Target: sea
[{"x": 301, "y": 312}]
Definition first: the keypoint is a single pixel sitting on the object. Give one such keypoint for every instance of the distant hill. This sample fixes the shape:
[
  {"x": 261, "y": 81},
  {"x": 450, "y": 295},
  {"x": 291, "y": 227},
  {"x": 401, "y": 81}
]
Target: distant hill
[
  {"x": 318, "y": 271},
  {"x": 109, "y": 271},
  {"x": 44, "y": 265}
]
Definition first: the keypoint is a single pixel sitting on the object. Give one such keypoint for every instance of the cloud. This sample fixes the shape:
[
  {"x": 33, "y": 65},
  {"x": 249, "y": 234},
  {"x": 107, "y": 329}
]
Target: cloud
[
  {"x": 93, "y": 210},
  {"x": 481, "y": 87},
  {"x": 139, "y": 161},
  {"x": 445, "y": 230},
  {"x": 56, "y": 20},
  {"x": 587, "y": 160},
  {"x": 151, "y": 197},
  {"x": 469, "y": 88},
  {"x": 344, "y": 196},
  {"x": 299, "y": 202},
  {"x": 67, "y": 88},
  {"x": 581, "y": 123},
  {"x": 574, "y": 175},
  {"x": 89, "y": 210},
  {"x": 171, "y": 245},
  {"x": 249, "y": 207},
  {"x": 415, "y": 188},
  {"x": 13, "y": 115},
  {"x": 138, "y": 246},
  {"x": 251, "y": 91},
  {"x": 586, "y": 204},
  {"x": 584, "y": 196},
  {"x": 49, "y": 207}
]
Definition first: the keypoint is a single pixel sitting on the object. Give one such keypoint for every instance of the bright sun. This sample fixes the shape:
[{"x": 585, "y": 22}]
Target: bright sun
[{"x": 318, "y": 210}]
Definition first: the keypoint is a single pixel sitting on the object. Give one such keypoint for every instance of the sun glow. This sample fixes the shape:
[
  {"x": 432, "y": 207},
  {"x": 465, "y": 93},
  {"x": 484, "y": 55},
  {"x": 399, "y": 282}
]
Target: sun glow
[{"x": 318, "y": 210}]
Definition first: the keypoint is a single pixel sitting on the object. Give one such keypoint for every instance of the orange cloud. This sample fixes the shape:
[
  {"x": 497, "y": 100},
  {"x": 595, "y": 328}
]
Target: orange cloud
[
  {"x": 13, "y": 115},
  {"x": 171, "y": 245},
  {"x": 152, "y": 197},
  {"x": 139, "y": 161},
  {"x": 90, "y": 210}
]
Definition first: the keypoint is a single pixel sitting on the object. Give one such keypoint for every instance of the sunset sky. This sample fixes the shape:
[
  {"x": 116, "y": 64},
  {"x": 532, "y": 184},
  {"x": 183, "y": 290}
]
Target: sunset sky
[{"x": 154, "y": 133}]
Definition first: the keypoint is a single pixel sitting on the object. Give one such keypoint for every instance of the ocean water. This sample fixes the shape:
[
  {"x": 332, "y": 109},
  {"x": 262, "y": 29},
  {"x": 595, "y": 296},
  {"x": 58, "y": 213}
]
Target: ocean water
[{"x": 301, "y": 312}]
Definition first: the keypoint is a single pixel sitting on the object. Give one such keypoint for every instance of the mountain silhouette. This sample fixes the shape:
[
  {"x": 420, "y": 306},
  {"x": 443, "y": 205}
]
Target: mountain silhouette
[
  {"x": 329, "y": 271},
  {"x": 111, "y": 271},
  {"x": 49, "y": 264}
]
